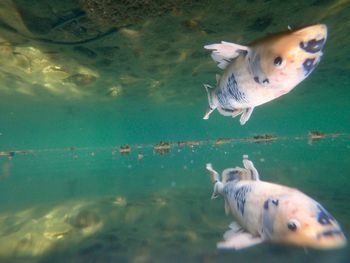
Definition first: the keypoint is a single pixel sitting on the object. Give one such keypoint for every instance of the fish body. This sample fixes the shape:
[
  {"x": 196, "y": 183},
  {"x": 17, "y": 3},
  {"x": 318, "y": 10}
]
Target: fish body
[
  {"x": 271, "y": 212},
  {"x": 264, "y": 70}
]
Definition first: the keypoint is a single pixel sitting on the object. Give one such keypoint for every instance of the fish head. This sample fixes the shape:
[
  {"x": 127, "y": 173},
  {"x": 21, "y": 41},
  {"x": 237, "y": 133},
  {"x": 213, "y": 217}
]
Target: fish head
[
  {"x": 283, "y": 60},
  {"x": 299, "y": 220}
]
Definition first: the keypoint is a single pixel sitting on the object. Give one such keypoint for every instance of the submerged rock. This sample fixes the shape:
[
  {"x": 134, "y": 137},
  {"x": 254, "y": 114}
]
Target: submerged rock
[{"x": 84, "y": 219}]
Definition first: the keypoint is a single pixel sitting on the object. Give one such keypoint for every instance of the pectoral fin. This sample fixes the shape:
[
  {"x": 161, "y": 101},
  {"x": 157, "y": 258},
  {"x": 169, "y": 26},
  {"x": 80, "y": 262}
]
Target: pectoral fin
[
  {"x": 237, "y": 238},
  {"x": 211, "y": 100},
  {"x": 249, "y": 165},
  {"x": 225, "y": 52},
  {"x": 246, "y": 115}
]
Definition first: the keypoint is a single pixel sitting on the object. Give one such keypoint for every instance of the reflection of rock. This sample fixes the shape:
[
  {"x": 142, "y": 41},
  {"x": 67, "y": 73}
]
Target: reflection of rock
[
  {"x": 85, "y": 52},
  {"x": 114, "y": 91},
  {"x": 124, "y": 12},
  {"x": 55, "y": 235},
  {"x": 81, "y": 79}
]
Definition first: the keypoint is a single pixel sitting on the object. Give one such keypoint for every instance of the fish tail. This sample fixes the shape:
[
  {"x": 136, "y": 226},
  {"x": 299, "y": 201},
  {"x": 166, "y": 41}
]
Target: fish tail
[
  {"x": 215, "y": 179},
  {"x": 211, "y": 101}
]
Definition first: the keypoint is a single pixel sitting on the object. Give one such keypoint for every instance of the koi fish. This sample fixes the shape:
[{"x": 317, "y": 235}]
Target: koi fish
[
  {"x": 270, "y": 212},
  {"x": 264, "y": 70}
]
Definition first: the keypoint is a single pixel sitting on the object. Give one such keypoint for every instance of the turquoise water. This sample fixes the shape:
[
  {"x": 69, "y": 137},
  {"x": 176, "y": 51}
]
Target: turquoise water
[
  {"x": 109, "y": 207},
  {"x": 76, "y": 85}
]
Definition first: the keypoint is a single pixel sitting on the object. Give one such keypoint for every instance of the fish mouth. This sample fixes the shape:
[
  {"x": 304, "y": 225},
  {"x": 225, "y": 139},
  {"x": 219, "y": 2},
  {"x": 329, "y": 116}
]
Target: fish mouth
[{"x": 330, "y": 233}]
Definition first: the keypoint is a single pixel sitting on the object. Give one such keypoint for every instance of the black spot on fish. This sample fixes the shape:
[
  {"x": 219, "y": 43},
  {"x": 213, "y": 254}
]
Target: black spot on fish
[
  {"x": 266, "y": 81},
  {"x": 313, "y": 46},
  {"x": 232, "y": 88},
  {"x": 228, "y": 110},
  {"x": 332, "y": 232},
  {"x": 222, "y": 98},
  {"x": 308, "y": 66},
  {"x": 240, "y": 197},
  {"x": 323, "y": 217},
  {"x": 275, "y": 202},
  {"x": 266, "y": 204},
  {"x": 232, "y": 175},
  {"x": 257, "y": 80}
]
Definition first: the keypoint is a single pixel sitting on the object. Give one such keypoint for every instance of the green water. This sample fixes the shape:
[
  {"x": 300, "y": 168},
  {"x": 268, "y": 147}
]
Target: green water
[{"x": 77, "y": 84}]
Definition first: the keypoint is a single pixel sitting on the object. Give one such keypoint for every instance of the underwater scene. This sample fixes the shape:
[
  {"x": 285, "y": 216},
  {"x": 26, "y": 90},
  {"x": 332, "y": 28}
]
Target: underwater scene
[{"x": 119, "y": 120}]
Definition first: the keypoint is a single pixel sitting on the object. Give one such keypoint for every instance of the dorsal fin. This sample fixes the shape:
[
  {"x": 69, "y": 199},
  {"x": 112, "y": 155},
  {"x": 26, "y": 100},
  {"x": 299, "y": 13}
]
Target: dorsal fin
[{"x": 225, "y": 52}]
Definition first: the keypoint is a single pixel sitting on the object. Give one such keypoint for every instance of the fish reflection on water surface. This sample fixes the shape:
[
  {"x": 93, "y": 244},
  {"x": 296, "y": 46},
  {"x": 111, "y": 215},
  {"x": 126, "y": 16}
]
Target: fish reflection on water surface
[{"x": 264, "y": 70}]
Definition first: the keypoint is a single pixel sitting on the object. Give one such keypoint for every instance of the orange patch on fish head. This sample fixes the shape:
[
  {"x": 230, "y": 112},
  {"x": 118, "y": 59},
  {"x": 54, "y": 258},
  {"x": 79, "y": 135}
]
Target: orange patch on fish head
[
  {"x": 288, "y": 58},
  {"x": 304, "y": 222}
]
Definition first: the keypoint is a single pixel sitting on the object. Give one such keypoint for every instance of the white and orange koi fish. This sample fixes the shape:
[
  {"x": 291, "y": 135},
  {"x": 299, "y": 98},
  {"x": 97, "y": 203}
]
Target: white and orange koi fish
[
  {"x": 270, "y": 212},
  {"x": 264, "y": 70}
]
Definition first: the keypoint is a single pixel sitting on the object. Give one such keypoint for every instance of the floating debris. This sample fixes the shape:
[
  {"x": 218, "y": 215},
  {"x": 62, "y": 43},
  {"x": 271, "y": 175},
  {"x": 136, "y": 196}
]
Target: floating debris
[
  {"x": 70, "y": 149},
  {"x": 7, "y": 154},
  {"x": 315, "y": 135},
  {"x": 264, "y": 138},
  {"x": 139, "y": 156},
  {"x": 189, "y": 143},
  {"x": 125, "y": 149},
  {"x": 222, "y": 141},
  {"x": 162, "y": 147},
  {"x": 24, "y": 152}
]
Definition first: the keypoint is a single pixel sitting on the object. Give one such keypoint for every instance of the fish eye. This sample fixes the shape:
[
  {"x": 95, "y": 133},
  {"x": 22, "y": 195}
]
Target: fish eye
[
  {"x": 293, "y": 225},
  {"x": 279, "y": 62}
]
